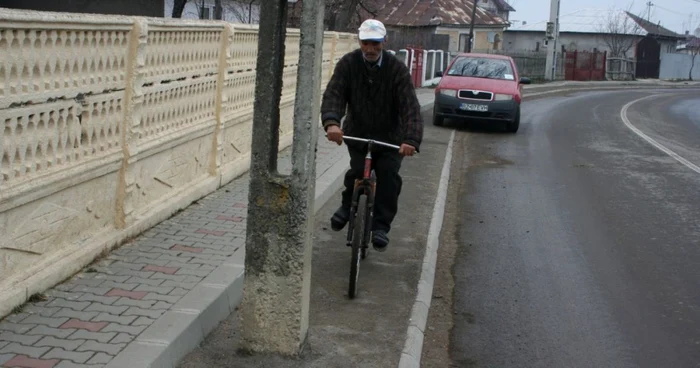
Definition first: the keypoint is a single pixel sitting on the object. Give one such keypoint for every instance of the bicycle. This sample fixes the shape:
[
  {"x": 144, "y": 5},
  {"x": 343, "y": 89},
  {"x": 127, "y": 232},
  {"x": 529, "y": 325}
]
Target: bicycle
[{"x": 362, "y": 213}]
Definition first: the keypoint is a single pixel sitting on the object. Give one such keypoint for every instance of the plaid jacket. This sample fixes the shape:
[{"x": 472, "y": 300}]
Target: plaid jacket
[{"x": 377, "y": 102}]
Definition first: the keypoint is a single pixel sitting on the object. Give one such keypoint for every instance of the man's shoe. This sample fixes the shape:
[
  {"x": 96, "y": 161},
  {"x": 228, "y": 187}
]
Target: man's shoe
[
  {"x": 380, "y": 240},
  {"x": 340, "y": 218}
]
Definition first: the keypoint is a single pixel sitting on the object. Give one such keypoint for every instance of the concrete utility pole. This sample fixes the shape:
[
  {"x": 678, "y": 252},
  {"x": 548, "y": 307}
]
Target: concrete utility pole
[
  {"x": 553, "y": 41},
  {"x": 275, "y": 308},
  {"x": 471, "y": 27}
]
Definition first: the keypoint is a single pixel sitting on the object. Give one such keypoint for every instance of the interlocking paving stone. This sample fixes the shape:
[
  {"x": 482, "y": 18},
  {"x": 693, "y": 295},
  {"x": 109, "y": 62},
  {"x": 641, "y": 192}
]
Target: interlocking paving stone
[
  {"x": 93, "y": 290},
  {"x": 135, "y": 303},
  {"x": 15, "y": 318},
  {"x": 166, "y": 298},
  {"x": 30, "y": 351},
  {"x": 111, "y": 309},
  {"x": 99, "y": 298},
  {"x": 131, "y": 330},
  {"x": 101, "y": 358},
  {"x": 106, "y": 317},
  {"x": 50, "y": 331},
  {"x": 69, "y": 364},
  {"x": 123, "y": 337},
  {"x": 137, "y": 295},
  {"x": 136, "y": 311},
  {"x": 41, "y": 311},
  {"x": 47, "y": 321},
  {"x": 103, "y": 337},
  {"x": 65, "y": 312},
  {"x": 143, "y": 321},
  {"x": 28, "y": 362},
  {"x": 20, "y": 338},
  {"x": 111, "y": 348},
  {"x": 59, "y": 343},
  {"x": 145, "y": 282},
  {"x": 74, "y": 356},
  {"x": 84, "y": 325},
  {"x": 5, "y": 357}
]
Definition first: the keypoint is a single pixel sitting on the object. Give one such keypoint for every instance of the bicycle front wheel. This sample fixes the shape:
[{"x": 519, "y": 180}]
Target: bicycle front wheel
[{"x": 358, "y": 233}]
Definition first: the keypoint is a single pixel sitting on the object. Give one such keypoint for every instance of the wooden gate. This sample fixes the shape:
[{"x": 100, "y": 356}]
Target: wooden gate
[
  {"x": 585, "y": 66},
  {"x": 648, "y": 58}
]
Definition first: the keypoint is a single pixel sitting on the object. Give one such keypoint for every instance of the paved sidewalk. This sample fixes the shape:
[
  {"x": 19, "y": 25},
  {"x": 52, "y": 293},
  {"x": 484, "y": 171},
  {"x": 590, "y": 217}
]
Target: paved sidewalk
[{"x": 151, "y": 301}]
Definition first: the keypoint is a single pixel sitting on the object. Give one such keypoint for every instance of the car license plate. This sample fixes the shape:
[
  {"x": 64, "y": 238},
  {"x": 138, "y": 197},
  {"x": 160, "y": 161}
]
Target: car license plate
[{"x": 473, "y": 107}]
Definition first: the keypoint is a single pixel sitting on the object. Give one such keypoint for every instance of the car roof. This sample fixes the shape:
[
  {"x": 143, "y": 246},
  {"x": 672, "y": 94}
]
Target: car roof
[{"x": 486, "y": 56}]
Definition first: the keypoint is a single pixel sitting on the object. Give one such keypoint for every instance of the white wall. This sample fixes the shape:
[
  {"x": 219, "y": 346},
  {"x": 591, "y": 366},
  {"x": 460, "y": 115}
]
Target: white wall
[
  {"x": 677, "y": 66},
  {"x": 234, "y": 11},
  {"x": 527, "y": 41}
]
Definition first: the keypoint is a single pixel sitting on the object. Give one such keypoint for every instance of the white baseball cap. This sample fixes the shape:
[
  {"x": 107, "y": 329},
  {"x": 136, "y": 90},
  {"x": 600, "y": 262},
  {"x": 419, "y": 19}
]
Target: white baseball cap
[{"x": 372, "y": 30}]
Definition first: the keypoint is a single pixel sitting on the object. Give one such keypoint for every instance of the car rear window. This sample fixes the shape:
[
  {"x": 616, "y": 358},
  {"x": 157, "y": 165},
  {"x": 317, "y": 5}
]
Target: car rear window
[{"x": 478, "y": 67}]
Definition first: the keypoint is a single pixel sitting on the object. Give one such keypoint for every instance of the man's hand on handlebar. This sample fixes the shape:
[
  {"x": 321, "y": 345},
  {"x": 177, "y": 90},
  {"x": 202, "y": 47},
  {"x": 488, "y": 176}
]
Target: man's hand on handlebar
[
  {"x": 335, "y": 134},
  {"x": 407, "y": 150}
]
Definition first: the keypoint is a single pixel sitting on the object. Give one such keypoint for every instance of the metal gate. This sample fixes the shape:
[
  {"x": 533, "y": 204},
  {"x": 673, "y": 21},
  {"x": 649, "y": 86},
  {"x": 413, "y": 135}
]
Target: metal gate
[
  {"x": 585, "y": 66},
  {"x": 648, "y": 58}
]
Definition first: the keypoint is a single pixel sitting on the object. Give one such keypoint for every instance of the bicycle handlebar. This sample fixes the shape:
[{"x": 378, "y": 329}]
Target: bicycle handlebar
[{"x": 371, "y": 140}]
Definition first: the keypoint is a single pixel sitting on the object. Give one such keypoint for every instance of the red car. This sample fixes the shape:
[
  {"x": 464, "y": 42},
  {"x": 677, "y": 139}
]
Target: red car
[{"x": 480, "y": 87}]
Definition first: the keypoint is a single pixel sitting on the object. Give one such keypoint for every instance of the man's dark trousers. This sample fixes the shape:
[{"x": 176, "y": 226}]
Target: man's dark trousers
[{"x": 386, "y": 164}]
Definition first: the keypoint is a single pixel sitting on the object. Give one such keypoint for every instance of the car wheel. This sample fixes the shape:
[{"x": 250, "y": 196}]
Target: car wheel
[
  {"x": 437, "y": 119},
  {"x": 512, "y": 126}
]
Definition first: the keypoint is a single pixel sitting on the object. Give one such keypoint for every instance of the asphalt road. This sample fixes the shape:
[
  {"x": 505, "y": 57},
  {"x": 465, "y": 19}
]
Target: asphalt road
[
  {"x": 370, "y": 330},
  {"x": 575, "y": 242}
]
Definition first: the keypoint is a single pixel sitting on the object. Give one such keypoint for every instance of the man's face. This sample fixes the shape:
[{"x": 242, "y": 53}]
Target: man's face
[{"x": 371, "y": 49}]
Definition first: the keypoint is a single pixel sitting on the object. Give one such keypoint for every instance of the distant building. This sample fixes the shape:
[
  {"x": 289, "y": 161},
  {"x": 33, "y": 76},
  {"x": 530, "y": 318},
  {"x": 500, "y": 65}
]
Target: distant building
[
  {"x": 149, "y": 8},
  {"x": 444, "y": 24},
  {"x": 500, "y": 8},
  {"x": 585, "y": 30}
]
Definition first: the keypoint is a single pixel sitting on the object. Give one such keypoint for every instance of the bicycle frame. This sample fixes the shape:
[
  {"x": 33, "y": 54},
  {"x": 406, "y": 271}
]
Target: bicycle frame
[{"x": 367, "y": 185}]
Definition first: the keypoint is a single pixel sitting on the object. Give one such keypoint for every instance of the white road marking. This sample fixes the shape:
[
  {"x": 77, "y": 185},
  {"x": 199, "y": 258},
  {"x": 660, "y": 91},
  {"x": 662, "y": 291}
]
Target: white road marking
[{"x": 628, "y": 123}]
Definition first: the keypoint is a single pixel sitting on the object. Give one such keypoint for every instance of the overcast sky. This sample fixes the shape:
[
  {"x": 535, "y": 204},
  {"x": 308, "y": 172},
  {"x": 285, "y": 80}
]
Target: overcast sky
[{"x": 673, "y": 14}]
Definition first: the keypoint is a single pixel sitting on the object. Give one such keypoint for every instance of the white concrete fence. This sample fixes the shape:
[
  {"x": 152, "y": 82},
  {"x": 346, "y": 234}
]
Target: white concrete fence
[{"x": 112, "y": 124}]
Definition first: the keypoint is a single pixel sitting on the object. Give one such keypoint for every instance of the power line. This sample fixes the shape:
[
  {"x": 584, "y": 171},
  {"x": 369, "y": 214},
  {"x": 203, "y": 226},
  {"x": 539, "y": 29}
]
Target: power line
[{"x": 671, "y": 11}]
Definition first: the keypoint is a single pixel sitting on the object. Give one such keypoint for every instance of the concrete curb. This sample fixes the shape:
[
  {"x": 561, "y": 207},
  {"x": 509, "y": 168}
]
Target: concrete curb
[{"x": 413, "y": 347}]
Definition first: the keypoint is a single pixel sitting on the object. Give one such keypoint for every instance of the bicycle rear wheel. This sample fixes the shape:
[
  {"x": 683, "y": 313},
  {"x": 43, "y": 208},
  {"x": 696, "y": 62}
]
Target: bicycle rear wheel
[{"x": 358, "y": 233}]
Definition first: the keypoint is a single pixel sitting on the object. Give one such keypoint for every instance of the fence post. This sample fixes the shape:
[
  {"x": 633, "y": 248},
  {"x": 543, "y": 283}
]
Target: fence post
[
  {"x": 605, "y": 60},
  {"x": 333, "y": 53},
  {"x": 127, "y": 192},
  {"x": 217, "y": 143}
]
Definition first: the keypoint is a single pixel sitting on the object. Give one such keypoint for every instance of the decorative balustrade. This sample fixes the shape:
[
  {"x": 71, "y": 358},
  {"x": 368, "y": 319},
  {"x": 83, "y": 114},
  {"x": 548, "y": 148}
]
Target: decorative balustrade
[{"x": 112, "y": 124}]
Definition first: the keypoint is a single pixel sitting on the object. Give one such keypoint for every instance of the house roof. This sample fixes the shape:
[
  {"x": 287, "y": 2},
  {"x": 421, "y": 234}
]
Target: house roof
[
  {"x": 503, "y": 5},
  {"x": 654, "y": 29},
  {"x": 414, "y": 13}
]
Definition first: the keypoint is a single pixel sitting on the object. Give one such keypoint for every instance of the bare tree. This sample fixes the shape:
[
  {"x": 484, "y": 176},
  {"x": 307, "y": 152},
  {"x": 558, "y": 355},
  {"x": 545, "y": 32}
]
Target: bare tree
[
  {"x": 246, "y": 11},
  {"x": 619, "y": 32},
  {"x": 341, "y": 15},
  {"x": 218, "y": 10},
  {"x": 178, "y": 8}
]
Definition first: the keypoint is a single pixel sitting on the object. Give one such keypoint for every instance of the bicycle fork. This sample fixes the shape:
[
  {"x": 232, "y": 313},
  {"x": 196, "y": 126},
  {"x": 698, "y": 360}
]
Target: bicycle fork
[{"x": 366, "y": 185}]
